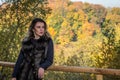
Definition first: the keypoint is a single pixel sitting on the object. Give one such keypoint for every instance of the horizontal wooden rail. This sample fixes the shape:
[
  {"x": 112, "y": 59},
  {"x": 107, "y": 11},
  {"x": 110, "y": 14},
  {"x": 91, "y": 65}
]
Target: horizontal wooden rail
[
  {"x": 73, "y": 69},
  {"x": 85, "y": 70}
]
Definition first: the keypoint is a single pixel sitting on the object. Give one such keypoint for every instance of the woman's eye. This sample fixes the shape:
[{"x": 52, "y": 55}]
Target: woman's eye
[
  {"x": 42, "y": 26},
  {"x": 38, "y": 26}
]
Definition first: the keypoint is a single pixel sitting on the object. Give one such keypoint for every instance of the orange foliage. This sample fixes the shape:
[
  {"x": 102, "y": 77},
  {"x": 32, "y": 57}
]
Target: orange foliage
[
  {"x": 52, "y": 31},
  {"x": 88, "y": 29}
]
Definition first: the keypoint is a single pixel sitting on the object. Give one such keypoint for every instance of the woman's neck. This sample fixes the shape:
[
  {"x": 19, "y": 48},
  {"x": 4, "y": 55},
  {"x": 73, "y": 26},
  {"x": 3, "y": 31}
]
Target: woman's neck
[{"x": 37, "y": 37}]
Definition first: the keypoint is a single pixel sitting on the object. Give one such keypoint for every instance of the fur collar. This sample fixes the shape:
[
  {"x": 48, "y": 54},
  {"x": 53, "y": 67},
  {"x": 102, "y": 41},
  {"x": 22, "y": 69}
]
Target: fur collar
[{"x": 28, "y": 44}]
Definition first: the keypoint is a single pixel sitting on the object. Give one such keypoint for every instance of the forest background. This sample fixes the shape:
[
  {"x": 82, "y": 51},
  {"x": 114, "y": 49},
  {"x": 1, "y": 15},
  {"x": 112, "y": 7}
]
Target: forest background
[{"x": 84, "y": 35}]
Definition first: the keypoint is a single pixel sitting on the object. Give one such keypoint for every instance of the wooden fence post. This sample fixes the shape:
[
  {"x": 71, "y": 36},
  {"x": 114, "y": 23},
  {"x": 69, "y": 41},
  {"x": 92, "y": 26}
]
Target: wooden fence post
[{"x": 99, "y": 77}]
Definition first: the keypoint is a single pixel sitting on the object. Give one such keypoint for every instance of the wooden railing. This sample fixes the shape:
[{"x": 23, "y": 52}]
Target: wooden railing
[{"x": 98, "y": 71}]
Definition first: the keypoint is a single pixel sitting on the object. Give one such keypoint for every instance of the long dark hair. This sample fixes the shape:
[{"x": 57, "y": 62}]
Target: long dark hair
[{"x": 30, "y": 33}]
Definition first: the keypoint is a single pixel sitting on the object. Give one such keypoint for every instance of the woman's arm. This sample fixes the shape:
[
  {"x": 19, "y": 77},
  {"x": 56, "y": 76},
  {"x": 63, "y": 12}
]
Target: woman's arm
[
  {"x": 50, "y": 55},
  {"x": 17, "y": 65}
]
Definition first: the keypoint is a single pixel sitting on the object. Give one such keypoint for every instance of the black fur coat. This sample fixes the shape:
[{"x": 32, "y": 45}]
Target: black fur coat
[{"x": 34, "y": 51}]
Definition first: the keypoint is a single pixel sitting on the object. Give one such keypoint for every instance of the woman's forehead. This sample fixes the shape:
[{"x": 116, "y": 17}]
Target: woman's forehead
[{"x": 39, "y": 24}]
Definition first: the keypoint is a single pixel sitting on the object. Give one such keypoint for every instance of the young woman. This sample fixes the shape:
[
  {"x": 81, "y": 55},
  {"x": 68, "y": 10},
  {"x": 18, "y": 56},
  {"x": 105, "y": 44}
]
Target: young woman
[{"x": 36, "y": 54}]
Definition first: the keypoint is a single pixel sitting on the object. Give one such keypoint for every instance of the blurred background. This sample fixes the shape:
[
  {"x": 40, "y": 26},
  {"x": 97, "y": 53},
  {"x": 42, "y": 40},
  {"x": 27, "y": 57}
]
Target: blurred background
[{"x": 86, "y": 33}]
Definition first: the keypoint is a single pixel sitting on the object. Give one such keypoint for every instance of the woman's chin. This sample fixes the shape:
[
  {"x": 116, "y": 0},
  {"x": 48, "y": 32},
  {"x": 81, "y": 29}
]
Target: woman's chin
[{"x": 40, "y": 35}]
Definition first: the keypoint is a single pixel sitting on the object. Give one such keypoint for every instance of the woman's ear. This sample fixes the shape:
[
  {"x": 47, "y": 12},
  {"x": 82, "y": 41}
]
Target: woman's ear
[{"x": 33, "y": 30}]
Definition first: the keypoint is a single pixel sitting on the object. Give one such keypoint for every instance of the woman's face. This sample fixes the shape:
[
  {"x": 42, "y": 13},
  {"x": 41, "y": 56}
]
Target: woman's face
[{"x": 39, "y": 29}]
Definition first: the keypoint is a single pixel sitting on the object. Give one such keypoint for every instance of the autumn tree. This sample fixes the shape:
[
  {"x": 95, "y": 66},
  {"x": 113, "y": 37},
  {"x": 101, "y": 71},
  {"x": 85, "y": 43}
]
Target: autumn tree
[{"x": 15, "y": 17}]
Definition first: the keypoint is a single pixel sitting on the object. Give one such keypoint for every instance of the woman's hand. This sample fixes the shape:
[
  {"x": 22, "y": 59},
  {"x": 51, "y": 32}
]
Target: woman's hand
[
  {"x": 13, "y": 78},
  {"x": 41, "y": 73}
]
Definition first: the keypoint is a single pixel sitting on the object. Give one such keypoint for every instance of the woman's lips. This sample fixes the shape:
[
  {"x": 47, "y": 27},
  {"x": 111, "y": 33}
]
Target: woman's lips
[{"x": 41, "y": 32}]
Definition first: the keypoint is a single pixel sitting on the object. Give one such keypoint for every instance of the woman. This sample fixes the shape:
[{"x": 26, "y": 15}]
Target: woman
[{"x": 36, "y": 54}]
